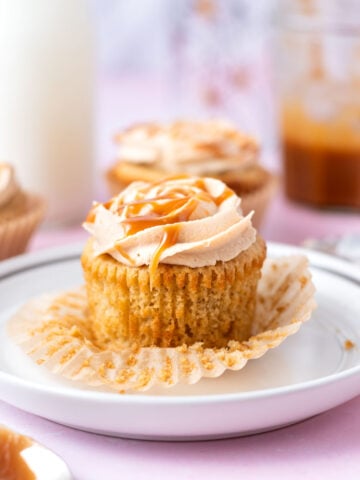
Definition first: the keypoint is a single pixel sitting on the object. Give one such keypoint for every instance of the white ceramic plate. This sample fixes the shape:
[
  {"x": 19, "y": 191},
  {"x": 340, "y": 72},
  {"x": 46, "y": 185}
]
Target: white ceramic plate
[{"x": 309, "y": 373}]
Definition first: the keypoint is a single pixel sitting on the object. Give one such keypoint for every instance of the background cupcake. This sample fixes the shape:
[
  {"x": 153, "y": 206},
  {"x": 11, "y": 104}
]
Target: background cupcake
[
  {"x": 211, "y": 148},
  {"x": 20, "y": 214}
]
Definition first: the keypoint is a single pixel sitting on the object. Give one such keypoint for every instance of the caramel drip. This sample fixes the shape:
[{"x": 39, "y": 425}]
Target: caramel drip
[
  {"x": 227, "y": 193},
  {"x": 12, "y": 465},
  {"x": 123, "y": 253},
  {"x": 91, "y": 216},
  {"x": 173, "y": 210},
  {"x": 169, "y": 239}
]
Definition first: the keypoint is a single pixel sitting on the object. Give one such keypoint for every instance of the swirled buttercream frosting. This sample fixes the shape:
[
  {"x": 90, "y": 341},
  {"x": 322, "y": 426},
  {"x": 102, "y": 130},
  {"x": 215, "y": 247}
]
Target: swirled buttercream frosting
[
  {"x": 196, "y": 148},
  {"x": 8, "y": 184},
  {"x": 187, "y": 221}
]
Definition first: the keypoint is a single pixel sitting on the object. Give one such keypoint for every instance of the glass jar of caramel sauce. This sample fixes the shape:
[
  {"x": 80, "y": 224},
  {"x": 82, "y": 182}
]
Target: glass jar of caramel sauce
[{"x": 318, "y": 79}]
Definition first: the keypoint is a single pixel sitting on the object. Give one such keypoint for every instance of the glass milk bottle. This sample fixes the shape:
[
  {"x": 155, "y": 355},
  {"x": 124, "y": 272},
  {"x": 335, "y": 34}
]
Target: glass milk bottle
[{"x": 46, "y": 101}]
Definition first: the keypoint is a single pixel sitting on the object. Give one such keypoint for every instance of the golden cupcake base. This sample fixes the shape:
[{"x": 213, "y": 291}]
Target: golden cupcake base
[
  {"x": 55, "y": 332},
  {"x": 177, "y": 305}
]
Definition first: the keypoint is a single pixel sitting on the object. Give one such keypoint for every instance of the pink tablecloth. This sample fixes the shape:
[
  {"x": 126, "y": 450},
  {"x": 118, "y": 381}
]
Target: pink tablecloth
[
  {"x": 327, "y": 446},
  {"x": 324, "y": 447}
]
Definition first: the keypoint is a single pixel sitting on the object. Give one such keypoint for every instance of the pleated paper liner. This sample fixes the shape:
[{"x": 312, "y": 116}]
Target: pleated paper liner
[
  {"x": 54, "y": 331},
  {"x": 16, "y": 232}
]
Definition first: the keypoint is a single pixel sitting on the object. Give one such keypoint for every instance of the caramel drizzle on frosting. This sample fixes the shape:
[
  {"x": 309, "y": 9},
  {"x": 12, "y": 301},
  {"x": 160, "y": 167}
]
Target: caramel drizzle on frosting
[
  {"x": 205, "y": 135},
  {"x": 169, "y": 238},
  {"x": 167, "y": 210},
  {"x": 194, "y": 147}
]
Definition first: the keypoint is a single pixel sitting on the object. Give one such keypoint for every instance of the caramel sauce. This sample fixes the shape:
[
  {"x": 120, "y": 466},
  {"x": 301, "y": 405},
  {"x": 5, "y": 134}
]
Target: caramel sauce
[
  {"x": 169, "y": 239},
  {"x": 12, "y": 465},
  {"x": 170, "y": 211},
  {"x": 321, "y": 158},
  {"x": 322, "y": 176},
  {"x": 123, "y": 253},
  {"x": 91, "y": 216},
  {"x": 227, "y": 193},
  {"x": 174, "y": 207}
]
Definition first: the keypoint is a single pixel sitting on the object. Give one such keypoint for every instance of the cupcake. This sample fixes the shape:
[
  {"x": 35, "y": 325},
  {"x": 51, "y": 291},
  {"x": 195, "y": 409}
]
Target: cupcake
[
  {"x": 171, "y": 263},
  {"x": 175, "y": 291},
  {"x": 149, "y": 152},
  {"x": 20, "y": 214}
]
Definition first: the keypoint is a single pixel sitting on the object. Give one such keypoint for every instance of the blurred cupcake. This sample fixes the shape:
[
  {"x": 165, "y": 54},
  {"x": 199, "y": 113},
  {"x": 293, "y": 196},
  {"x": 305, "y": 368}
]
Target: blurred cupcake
[
  {"x": 170, "y": 263},
  {"x": 211, "y": 148},
  {"x": 20, "y": 214}
]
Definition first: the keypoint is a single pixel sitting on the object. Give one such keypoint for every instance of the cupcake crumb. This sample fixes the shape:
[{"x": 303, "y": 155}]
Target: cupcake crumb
[{"x": 348, "y": 344}]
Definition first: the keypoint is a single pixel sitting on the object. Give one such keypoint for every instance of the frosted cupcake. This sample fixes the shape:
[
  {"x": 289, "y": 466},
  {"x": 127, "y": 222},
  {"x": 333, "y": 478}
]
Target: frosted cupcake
[
  {"x": 176, "y": 291},
  {"x": 170, "y": 263},
  {"x": 212, "y": 148},
  {"x": 20, "y": 214}
]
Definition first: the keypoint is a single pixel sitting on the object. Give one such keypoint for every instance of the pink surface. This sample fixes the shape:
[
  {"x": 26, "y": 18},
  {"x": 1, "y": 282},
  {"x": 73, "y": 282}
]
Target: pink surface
[
  {"x": 324, "y": 447},
  {"x": 327, "y": 446}
]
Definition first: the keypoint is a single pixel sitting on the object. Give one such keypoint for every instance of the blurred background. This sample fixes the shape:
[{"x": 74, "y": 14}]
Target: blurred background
[
  {"x": 285, "y": 71},
  {"x": 188, "y": 59}
]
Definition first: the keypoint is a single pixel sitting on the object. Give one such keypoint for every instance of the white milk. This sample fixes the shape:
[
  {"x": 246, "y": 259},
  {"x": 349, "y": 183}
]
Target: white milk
[{"x": 46, "y": 101}]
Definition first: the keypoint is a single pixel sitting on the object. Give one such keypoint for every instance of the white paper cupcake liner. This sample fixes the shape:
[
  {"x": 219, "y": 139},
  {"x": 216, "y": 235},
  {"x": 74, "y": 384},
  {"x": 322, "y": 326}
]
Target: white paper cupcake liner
[{"x": 54, "y": 331}]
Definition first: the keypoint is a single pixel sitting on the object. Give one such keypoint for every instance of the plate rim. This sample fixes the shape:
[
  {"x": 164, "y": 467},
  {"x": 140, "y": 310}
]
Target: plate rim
[{"x": 29, "y": 261}]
